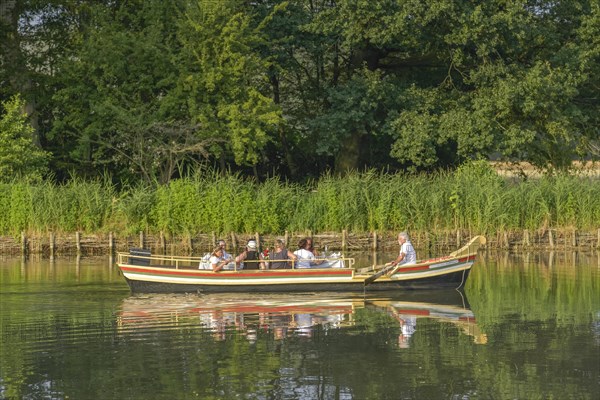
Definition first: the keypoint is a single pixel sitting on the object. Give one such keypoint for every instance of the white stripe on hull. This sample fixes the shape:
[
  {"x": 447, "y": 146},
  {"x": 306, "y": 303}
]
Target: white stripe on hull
[
  {"x": 231, "y": 282},
  {"x": 430, "y": 273}
]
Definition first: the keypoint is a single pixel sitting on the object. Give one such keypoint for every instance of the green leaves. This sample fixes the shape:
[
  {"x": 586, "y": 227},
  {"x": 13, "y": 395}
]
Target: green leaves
[
  {"x": 19, "y": 156},
  {"x": 227, "y": 78},
  {"x": 145, "y": 89}
]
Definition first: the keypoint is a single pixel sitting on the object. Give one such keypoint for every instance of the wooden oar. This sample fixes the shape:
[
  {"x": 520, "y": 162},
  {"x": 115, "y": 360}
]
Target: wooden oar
[
  {"x": 372, "y": 268},
  {"x": 373, "y": 277}
]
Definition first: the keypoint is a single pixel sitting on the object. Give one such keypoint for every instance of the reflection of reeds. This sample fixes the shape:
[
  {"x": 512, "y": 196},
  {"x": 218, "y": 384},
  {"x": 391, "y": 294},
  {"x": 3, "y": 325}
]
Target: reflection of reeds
[
  {"x": 555, "y": 286},
  {"x": 472, "y": 199}
]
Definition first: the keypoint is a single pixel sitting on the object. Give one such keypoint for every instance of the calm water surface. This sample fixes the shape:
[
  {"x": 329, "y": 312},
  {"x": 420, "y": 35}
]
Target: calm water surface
[{"x": 527, "y": 326}]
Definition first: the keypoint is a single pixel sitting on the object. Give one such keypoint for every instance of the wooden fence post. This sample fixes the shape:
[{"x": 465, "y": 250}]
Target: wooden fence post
[
  {"x": 525, "y": 238},
  {"x": 78, "y": 242},
  {"x": 374, "y": 245},
  {"x": 213, "y": 240},
  {"x": 161, "y": 242},
  {"x": 550, "y": 238},
  {"x": 574, "y": 238},
  {"x": 23, "y": 244},
  {"x": 142, "y": 239},
  {"x": 233, "y": 241},
  {"x": 257, "y": 238},
  {"x": 111, "y": 244},
  {"x": 344, "y": 244},
  {"x": 374, "y": 259},
  {"x": 52, "y": 243},
  {"x": 286, "y": 237}
]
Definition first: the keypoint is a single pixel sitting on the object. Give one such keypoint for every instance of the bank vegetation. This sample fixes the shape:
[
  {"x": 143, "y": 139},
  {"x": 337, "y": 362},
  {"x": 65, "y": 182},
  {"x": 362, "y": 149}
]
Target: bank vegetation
[{"x": 473, "y": 198}]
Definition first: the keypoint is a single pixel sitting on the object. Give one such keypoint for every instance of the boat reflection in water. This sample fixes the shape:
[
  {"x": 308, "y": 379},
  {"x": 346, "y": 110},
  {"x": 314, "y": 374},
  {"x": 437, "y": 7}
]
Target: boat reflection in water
[
  {"x": 407, "y": 311},
  {"x": 297, "y": 315}
]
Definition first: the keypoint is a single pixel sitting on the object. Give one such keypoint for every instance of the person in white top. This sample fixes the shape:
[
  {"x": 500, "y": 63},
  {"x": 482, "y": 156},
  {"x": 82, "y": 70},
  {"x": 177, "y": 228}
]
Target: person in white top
[
  {"x": 305, "y": 256},
  {"x": 223, "y": 245},
  {"x": 217, "y": 262},
  {"x": 407, "y": 255}
]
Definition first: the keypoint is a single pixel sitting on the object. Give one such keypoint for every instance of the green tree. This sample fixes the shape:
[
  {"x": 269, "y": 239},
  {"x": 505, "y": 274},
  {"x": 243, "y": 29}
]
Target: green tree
[
  {"x": 517, "y": 84},
  {"x": 19, "y": 156},
  {"x": 147, "y": 88},
  {"x": 117, "y": 108},
  {"x": 225, "y": 80}
]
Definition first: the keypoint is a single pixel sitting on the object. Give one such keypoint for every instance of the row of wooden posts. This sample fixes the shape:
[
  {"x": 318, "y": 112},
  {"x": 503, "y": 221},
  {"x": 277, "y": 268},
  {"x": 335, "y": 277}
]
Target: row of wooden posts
[
  {"x": 373, "y": 240},
  {"x": 163, "y": 244}
]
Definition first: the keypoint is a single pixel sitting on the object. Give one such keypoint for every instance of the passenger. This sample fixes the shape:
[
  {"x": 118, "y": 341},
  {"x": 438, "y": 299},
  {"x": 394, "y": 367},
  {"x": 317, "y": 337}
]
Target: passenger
[
  {"x": 407, "y": 255},
  {"x": 223, "y": 245},
  {"x": 251, "y": 257},
  {"x": 311, "y": 247},
  {"x": 217, "y": 262},
  {"x": 280, "y": 253},
  {"x": 306, "y": 258}
]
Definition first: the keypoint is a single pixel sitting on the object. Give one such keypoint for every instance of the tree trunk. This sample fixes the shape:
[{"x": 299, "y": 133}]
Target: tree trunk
[
  {"x": 349, "y": 156},
  {"x": 282, "y": 137}
]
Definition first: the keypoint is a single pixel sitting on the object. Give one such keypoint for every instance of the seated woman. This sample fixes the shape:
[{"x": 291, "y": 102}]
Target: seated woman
[
  {"x": 217, "y": 261},
  {"x": 311, "y": 246},
  {"x": 251, "y": 257},
  {"x": 222, "y": 244},
  {"x": 280, "y": 253},
  {"x": 306, "y": 258}
]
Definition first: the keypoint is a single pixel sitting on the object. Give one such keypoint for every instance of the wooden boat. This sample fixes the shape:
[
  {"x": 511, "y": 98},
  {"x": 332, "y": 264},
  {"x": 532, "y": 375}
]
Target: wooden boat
[{"x": 167, "y": 274}]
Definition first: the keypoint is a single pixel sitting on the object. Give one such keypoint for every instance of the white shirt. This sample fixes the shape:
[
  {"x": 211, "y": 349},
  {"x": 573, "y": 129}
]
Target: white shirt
[
  {"x": 215, "y": 260},
  {"x": 410, "y": 256},
  {"x": 226, "y": 255},
  {"x": 304, "y": 258}
]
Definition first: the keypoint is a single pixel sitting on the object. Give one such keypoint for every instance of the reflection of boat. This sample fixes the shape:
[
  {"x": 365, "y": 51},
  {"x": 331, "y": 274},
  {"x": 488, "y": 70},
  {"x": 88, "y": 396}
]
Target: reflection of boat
[
  {"x": 285, "y": 315},
  {"x": 451, "y": 307},
  {"x": 147, "y": 273}
]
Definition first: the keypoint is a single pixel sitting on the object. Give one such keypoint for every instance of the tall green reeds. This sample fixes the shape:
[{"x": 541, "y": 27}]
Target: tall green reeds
[{"x": 471, "y": 198}]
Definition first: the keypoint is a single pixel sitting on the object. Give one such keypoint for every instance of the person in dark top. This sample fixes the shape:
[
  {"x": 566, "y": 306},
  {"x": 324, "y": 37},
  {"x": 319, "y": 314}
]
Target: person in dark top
[
  {"x": 311, "y": 246},
  {"x": 280, "y": 253},
  {"x": 251, "y": 257}
]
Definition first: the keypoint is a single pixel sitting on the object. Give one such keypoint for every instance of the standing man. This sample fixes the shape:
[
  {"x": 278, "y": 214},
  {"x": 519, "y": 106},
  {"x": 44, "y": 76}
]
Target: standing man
[{"x": 407, "y": 255}]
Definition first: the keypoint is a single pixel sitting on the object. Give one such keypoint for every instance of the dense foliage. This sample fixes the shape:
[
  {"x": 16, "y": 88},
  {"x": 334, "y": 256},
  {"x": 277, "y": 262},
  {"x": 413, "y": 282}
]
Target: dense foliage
[
  {"x": 471, "y": 198},
  {"x": 19, "y": 157},
  {"x": 147, "y": 89}
]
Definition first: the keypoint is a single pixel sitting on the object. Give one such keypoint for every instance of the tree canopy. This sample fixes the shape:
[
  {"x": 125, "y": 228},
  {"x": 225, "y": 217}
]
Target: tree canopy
[
  {"x": 19, "y": 157},
  {"x": 144, "y": 89}
]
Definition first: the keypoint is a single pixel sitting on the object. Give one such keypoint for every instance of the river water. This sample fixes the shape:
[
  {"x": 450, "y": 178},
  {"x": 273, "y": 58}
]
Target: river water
[{"x": 527, "y": 326}]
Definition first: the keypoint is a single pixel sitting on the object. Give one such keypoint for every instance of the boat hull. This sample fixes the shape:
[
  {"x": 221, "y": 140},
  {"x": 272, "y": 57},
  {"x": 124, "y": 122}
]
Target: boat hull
[
  {"x": 445, "y": 281},
  {"x": 169, "y": 274}
]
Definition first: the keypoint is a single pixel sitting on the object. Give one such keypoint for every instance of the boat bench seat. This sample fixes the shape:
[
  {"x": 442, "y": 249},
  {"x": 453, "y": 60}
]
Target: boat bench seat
[{"x": 139, "y": 252}]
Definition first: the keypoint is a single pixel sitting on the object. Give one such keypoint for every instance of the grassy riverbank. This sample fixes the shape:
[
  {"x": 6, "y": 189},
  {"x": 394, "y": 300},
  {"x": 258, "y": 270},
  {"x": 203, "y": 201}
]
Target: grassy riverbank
[{"x": 472, "y": 198}]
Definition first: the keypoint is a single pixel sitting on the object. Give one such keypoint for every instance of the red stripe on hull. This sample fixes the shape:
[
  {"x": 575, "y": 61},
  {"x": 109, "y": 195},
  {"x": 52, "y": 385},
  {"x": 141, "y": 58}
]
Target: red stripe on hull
[
  {"x": 412, "y": 312},
  {"x": 421, "y": 268}
]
